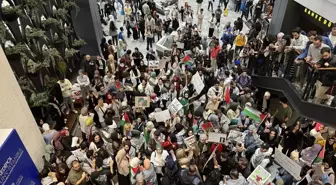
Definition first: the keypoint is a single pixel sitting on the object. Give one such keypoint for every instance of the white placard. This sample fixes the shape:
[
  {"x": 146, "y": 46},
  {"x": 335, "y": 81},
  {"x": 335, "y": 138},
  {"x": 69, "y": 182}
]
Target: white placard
[
  {"x": 162, "y": 116},
  {"x": 197, "y": 82},
  {"x": 259, "y": 176},
  {"x": 215, "y": 137},
  {"x": 153, "y": 64},
  {"x": 190, "y": 141},
  {"x": 187, "y": 52},
  {"x": 288, "y": 164},
  {"x": 175, "y": 106},
  {"x": 180, "y": 45},
  {"x": 236, "y": 136}
]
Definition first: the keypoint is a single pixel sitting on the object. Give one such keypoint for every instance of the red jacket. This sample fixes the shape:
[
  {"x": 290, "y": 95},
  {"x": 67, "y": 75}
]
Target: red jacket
[{"x": 214, "y": 52}]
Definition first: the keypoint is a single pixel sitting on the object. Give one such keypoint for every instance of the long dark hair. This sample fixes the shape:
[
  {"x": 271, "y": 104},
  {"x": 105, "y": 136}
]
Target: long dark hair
[
  {"x": 112, "y": 26},
  {"x": 100, "y": 143},
  {"x": 60, "y": 176}
]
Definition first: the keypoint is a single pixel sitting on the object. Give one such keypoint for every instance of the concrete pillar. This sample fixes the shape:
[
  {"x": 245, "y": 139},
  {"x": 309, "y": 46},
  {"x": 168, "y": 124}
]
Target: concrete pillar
[
  {"x": 285, "y": 17},
  {"x": 87, "y": 25},
  {"x": 15, "y": 113}
]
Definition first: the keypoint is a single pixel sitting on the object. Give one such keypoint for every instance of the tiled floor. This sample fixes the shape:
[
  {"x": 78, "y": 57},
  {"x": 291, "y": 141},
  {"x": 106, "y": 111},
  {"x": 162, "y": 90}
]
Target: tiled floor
[{"x": 232, "y": 16}]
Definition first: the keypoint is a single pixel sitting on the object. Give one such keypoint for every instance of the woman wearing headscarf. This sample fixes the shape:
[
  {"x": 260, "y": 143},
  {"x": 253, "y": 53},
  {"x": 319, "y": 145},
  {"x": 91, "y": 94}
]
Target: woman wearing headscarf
[
  {"x": 48, "y": 134},
  {"x": 264, "y": 104},
  {"x": 82, "y": 118},
  {"x": 122, "y": 160},
  {"x": 89, "y": 129},
  {"x": 183, "y": 158},
  {"x": 134, "y": 169}
]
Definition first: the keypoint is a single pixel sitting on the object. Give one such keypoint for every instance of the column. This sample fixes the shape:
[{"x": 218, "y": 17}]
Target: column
[{"x": 15, "y": 113}]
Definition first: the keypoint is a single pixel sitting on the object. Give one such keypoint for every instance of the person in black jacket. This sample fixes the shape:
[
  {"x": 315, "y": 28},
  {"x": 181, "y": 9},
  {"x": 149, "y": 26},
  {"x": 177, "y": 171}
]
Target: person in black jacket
[
  {"x": 238, "y": 24},
  {"x": 293, "y": 138},
  {"x": 137, "y": 56},
  {"x": 100, "y": 176},
  {"x": 56, "y": 114},
  {"x": 326, "y": 78},
  {"x": 258, "y": 10},
  {"x": 170, "y": 171},
  {"x": 270, "y": 136},
  {"x": 89, "y": 66},
  {"x": 222, "y": 57}
]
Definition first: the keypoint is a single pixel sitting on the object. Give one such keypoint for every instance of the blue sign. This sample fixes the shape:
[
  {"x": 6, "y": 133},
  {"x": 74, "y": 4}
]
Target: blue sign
[{"x": 16, "y": 166}]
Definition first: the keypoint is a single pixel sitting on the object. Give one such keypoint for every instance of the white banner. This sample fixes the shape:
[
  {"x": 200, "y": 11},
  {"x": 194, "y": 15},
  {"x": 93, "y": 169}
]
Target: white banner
[
  {"x": 288, "y": 164},
  {"x": 259, "y": 176},
  {"x": 162, "y": 116},
  {"x": 215, "y": 137},
  {"x": 153, "y": 64},
  {"x": 197, "y": 82},
  {"x": 236, "y": 136},
  {"x": 175, "y": 106}
]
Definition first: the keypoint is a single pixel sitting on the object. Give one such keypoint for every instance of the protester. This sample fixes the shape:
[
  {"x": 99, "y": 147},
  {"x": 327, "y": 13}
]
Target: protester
[{"x": 151, "y": 119}]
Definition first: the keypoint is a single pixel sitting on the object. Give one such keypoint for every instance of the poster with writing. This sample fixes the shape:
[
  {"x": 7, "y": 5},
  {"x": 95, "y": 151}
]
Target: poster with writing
[
  {"x": 175, "y": 106},
  {"x": 259, "y": 176},
  {"x": 236, "y": 136},
  {"x": 142, "y": 101},
  {"x": 288, "y": 164},
  {"x": 15, "y": 163},
  {"x": 190, "y": 141},
  {"x": 197, "y": 82},
  {"x": 162, "y": 116},
  {"x": 180, "y": 45},
  {"x": 215, "y": 137},
  {"x": 153, "y": 64}
]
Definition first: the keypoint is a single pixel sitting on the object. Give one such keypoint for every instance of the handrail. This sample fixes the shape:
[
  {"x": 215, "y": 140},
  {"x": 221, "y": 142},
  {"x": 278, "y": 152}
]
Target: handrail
[{"x": 316, "y": 112}]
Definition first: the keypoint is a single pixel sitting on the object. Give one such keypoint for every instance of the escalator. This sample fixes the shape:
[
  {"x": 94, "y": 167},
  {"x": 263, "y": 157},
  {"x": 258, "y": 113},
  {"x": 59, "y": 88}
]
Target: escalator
[{"x": 317, "y": 112}]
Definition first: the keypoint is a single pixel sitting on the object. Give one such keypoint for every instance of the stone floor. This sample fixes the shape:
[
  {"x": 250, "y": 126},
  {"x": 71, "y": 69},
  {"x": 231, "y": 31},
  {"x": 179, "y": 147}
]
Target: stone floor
[{"x": 232, "y": 16}]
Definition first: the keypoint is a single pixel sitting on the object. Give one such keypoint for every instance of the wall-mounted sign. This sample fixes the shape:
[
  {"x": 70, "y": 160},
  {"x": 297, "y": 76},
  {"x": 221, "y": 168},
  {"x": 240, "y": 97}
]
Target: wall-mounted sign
[{"x": 318, "y": 17}]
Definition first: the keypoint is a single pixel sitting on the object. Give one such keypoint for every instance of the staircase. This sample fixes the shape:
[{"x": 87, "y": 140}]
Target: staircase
[{"x": 317, "y": 112}]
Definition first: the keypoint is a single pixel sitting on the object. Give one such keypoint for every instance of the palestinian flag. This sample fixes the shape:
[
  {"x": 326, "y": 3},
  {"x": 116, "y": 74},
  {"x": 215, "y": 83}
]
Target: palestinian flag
[
  {"x": 207, "y": 126},
  {"x": 187, "y": 60},
  {"x": 124, "y": 119},
  {"x": 254, "y": 114},
  {"x": 227, "y": 97}
]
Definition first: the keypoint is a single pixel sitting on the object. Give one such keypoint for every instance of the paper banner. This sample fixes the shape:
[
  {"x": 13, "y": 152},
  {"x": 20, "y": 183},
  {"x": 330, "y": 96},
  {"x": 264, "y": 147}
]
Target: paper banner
[
  {"x": 197, "y": 82},
  {"x": 215, "y": 137},
  {"x": 175, "y": 106},
  {"x": 153, "y": 64},
  {"x": 236, "y": 136},
  {"x": 162, "y": 116},
  {"x": 288, "y": 164},
  {"x": 259, "y": 176}
]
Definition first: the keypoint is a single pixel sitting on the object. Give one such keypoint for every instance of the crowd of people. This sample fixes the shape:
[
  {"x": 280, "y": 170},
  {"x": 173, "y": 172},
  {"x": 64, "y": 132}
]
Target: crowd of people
[{"x": 127, "y": 141}]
